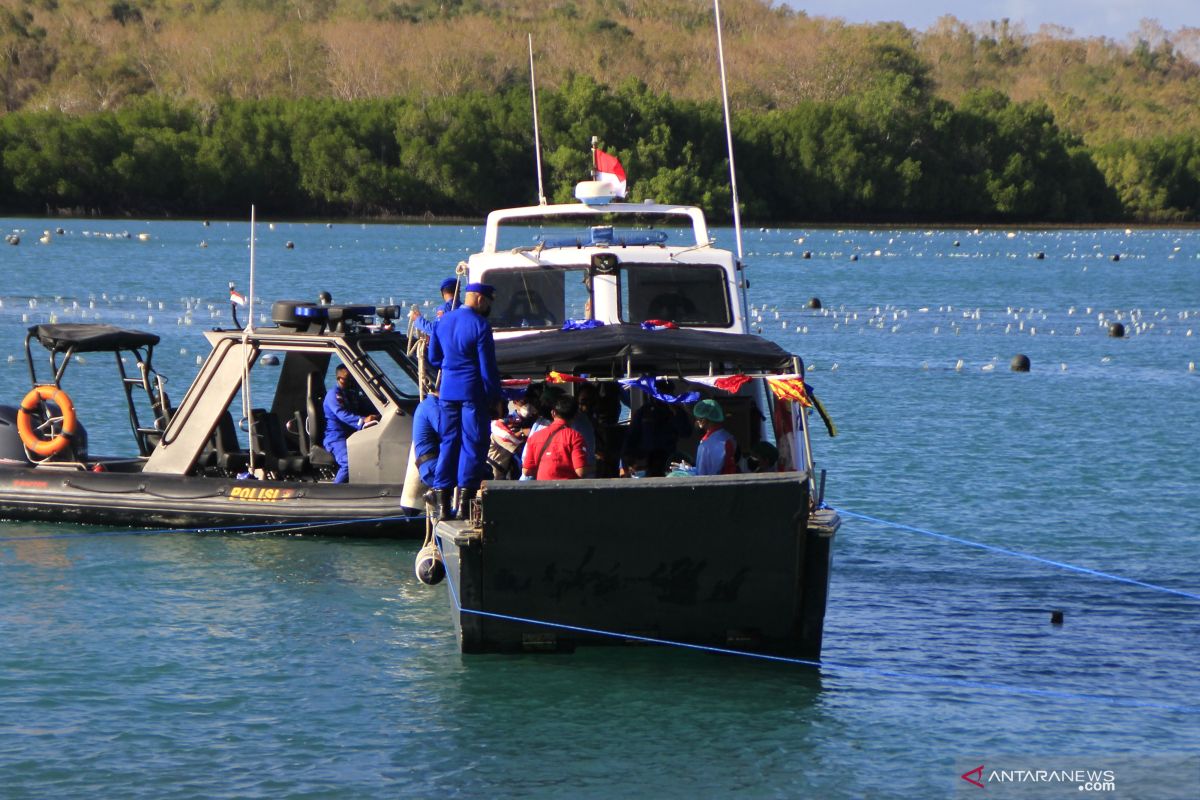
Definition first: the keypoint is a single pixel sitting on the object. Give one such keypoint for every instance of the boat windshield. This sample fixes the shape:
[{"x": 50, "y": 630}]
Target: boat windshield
[
  {"x": 695, "y": 295},
  {"x": 393, "y": 367},
  {"x": 538, "y": 298}
]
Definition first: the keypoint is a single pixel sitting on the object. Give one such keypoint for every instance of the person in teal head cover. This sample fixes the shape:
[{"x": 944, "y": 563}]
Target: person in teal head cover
[{"x": 463, "y": 347}]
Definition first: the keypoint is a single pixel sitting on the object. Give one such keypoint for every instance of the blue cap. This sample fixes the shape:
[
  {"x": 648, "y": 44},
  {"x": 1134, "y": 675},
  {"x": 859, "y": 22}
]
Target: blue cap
[
  {"x": 450, "y": 284},
  {"x": 484, "y": 289}
]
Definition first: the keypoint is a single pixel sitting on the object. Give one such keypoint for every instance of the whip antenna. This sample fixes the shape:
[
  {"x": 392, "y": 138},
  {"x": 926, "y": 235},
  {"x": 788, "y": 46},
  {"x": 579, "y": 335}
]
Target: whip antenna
[
  {"x": 247, "y": 406},
  {"x": 250, "y": 299},
  {"x": 537, "y": 142},
  {"x": 737, "y": 215}
]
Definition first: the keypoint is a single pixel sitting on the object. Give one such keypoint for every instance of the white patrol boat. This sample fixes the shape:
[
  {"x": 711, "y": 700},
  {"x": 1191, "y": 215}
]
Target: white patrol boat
[{"x": 621, "y": 296}]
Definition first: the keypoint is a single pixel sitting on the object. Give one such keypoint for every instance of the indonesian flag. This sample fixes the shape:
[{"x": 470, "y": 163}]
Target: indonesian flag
[
  {"x": 726, "y": 383},
  {"x": 789, "y": 387},
  {"x": 609, "y": 170},
  {"x": 514, "y": 388},
  {"x": 237, "y": 298}
]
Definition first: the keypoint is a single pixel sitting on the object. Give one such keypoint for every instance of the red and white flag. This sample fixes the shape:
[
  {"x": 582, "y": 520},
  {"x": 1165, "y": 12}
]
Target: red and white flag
[
  {"x": 237, "y": 298},
  {"x": 610, "y": 171},
  {"x": 726, "y": 383}
]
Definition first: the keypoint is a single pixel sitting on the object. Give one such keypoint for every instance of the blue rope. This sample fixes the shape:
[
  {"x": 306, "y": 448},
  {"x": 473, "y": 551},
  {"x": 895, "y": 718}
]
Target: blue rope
[
  {"x": 849, "y": 668},
  {"x": 1016, "y": 553},
  {"x": 266, "y": 527}
]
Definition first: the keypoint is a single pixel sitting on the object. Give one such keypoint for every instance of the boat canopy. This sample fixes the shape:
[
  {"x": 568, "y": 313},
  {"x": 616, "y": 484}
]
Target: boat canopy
[
  {"x": 86, "y": 337},
  {"x": 616, "y": 350}
]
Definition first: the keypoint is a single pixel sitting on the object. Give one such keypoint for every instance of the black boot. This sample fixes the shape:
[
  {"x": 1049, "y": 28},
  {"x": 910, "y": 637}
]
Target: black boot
[
  {"x": 464, "y": 502},
  {"x": 445, "y": 504}
]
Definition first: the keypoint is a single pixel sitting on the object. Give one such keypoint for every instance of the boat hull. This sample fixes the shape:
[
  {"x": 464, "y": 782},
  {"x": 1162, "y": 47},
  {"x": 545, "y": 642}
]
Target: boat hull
[
  {"x": 725, "y": 562},
  {"x": 203, "y": 503}
]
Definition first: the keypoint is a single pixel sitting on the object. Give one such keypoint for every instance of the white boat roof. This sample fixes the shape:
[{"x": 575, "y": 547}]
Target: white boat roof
[{"x": 496, "y": 218}]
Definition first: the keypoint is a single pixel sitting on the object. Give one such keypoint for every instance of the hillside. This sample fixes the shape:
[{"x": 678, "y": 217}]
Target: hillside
[
  {"x": 83, "y": 55},
  {"x": 384, "y": 107}
]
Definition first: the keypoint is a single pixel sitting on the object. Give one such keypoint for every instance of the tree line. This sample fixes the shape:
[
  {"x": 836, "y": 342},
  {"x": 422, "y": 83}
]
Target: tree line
[
  {"x": 892, "y": 151},
  {"x": 92, "y": 55}
]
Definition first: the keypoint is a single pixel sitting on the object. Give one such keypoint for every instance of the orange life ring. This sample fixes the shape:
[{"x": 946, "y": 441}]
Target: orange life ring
[{"x": 29, "y": 437}]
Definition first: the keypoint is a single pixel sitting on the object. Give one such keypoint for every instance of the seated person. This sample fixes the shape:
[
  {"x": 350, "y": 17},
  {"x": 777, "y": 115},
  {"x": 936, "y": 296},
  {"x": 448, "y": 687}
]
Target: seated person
[
  {"x": 585, "y": 423},
  {"x": 345, "y": 412},
  {"x": 508, "y": 437},
  {"x": 764, "y": 457},
  {"x": 526, "y": 309},
  {"x": 654, "y": 433},
  {"x": 556, "y": 452},
  {"x": 671, "y": 306},
  {"x": 717, "y": 453},
  {"x": 427, "y": 436}
]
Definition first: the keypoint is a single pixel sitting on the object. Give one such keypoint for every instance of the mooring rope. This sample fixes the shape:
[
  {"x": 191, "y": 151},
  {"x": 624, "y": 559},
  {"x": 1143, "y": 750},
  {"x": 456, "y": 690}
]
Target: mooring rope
[
  {"x": 1018, "y": 554},
  {"x": 266, "y": 527},
  {"x": 1131, "y": 702}
]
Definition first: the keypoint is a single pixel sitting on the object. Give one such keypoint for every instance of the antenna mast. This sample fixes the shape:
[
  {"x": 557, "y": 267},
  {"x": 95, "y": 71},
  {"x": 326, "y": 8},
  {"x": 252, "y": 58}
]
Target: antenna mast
[
  {"x": 250, "y": 299},
  {"x": 537, "y": 142},
  {"x": 247, "y": 406},
  {"x": 737, "y": 215}
]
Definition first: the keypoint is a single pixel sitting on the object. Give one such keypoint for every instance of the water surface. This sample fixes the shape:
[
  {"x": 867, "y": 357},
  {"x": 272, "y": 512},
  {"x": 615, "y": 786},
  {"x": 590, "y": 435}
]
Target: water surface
[{"x": 199, "y": 665}]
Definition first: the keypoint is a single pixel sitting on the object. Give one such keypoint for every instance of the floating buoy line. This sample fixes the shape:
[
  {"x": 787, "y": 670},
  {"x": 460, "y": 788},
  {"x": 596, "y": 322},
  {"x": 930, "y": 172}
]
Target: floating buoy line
[
  {"x": 1018, "y": 554},
  {"x": 804, "y": 317}
]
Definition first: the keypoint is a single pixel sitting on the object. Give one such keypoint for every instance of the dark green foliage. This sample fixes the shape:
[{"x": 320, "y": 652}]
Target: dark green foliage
[{"x": 892, "y": 152}]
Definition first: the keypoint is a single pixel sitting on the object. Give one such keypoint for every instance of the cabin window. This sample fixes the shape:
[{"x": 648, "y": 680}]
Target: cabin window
[
  {"x": 537, "y": 298},
  {"x": 694, "y": 295},
  {"x": 394, "y": 368}
]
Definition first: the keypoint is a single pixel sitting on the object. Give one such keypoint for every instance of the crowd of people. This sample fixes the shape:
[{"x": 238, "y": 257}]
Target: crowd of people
[{"x": 467, "y": 430}]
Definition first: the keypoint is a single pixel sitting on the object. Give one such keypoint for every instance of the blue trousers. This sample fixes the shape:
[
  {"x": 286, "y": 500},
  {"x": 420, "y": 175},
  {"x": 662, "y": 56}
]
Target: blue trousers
[
  {"x": 337, "y": 449},
  {"x": 466, "y": 430}
]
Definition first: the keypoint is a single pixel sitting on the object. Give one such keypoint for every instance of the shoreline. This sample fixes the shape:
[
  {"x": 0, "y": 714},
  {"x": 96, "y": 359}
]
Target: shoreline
[{"x": 747, "y": 225}]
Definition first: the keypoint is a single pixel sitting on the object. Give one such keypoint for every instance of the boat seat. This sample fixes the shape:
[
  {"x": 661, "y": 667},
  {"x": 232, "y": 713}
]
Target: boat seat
[
  {"x": 231, "y": 458},
  {"x": 271, "y": 447},
  {"x": 314, "y": 423}
]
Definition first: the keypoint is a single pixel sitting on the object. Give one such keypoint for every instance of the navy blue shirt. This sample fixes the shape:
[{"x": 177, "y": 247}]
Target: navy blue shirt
[
  {"x": 463, "y": 347},
  {"x": 341, "y": 418},
  {"x": 427, "y": 439},
  {"x": 426, "y": 326}
]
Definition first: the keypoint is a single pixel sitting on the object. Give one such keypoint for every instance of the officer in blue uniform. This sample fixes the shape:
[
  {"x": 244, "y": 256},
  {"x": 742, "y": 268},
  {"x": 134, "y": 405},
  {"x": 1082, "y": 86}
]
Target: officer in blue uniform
[
  {"x": 427, "y": 437},
  {"x": 450, "y": 298},
  {"x": 342, "y": 406},
  {"x": 463, "y": 347}
]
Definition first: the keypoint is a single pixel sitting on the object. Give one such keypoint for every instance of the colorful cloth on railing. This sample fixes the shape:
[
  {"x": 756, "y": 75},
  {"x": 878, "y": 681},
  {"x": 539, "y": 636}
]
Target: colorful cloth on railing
[
  {"x": 582, "y": 324},
  {"x": 726, "y": 383},
  {"x": 564, "y": 377},
  {"x": 789, "y": 387},
  {"x": 647, "y": 384}
]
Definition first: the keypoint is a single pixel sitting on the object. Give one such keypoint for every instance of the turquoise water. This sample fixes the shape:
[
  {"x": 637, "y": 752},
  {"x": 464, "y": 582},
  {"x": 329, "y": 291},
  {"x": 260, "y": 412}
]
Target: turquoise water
[{"x": 182, "y": 665}]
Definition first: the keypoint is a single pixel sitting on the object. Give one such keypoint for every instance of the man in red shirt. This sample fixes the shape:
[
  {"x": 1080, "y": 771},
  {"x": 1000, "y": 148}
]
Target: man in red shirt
[{"x": 557, "y": 451}]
